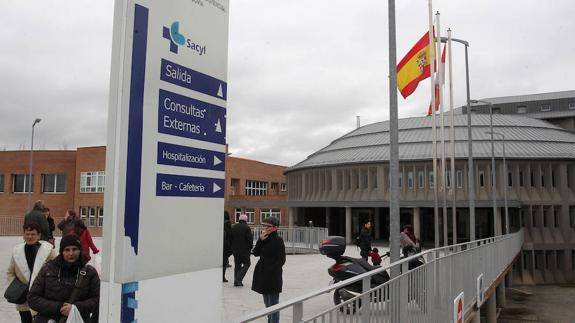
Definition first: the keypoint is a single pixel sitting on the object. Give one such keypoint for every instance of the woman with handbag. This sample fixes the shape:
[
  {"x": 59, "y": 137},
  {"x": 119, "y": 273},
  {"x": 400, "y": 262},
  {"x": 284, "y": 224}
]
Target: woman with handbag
[
  {"x": 66, "y": 282},
  {"x": 27, "y": 260}
]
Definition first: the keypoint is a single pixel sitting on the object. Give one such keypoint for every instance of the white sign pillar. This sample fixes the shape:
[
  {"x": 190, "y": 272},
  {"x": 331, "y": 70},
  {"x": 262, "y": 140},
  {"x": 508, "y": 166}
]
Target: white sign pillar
[{"x": 164, "y": 198}]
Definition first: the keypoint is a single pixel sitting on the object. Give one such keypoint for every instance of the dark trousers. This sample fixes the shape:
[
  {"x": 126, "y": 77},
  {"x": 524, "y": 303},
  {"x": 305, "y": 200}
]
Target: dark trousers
[
  {"x": 270, "y": 300},
  {"x": 25, "y": 316},
  {"x": 364, "y": 253},
  {"x": 241, "y": 265}
]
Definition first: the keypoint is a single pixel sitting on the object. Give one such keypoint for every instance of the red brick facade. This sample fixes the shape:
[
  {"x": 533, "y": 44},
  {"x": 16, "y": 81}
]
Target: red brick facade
[{"x": 88, "y": 199}]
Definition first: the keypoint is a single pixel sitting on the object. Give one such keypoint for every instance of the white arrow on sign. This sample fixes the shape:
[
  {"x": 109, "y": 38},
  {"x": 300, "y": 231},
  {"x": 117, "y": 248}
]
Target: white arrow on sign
[
  {"x": 216, "y": 188},
  {"x": 218, "y": 126},
  {"x": 220, "y": 91},
  {"x": 217, "y": 161}
]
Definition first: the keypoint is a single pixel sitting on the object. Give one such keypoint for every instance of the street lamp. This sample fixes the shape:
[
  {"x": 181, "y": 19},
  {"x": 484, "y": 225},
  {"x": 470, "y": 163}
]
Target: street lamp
[
  {"x": 470, "y": 177},
  {"x": 31, "y": 157},
  {"x": 506, "y": 184},
  {"x": 493, "y": 186}
]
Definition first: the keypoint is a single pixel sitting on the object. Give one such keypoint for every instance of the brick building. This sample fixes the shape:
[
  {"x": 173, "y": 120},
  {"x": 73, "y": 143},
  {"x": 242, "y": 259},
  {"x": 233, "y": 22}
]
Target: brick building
[{"x": 76, "y": 179}]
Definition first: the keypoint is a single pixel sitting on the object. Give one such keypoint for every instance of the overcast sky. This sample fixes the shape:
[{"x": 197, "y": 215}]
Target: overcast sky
[{"x": 299, "y": 71}]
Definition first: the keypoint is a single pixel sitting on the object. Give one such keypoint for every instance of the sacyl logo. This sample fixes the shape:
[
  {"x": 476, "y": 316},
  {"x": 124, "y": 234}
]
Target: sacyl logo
[{"x": 177, "y": 39}]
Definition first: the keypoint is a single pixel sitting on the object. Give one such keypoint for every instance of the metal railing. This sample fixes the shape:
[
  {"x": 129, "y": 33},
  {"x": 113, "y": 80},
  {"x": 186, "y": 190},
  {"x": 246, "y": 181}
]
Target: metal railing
[
  {"x": 11, "y": 226},
  {"x": 297, "y": 239},
  {"x": 423, "y": 294}
]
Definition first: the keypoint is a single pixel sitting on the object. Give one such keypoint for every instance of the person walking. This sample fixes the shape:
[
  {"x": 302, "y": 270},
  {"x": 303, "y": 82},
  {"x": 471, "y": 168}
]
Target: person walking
[
  {"x": 27, "y": 259},
  {"x": 227, "y": 246},
  {"x": 87, "y": 243},
  {"x": 37, "y": 216},
  {"x": 365, "y": 240},
  {"x": 407, "y": 240},
  {"x": 51, "y": 225},
  {"x": 71, "y": 224},
  {"x": 50, "y": 294},
  {"x": 242, "y": 243},
  {"x": 267, "y": 278}
]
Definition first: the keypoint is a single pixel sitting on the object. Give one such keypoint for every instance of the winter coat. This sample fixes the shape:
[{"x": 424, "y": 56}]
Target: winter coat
[
  {"x": 87, "y": 243},
  {"x": 365, "y": 240},
  {"x": 71, "y": 225},
  {"x": 48, "y": 294},
  {"x": 227, "y": 239},
  {"x": 51, "y": 227},
  {"x": 18, "y": 266},
  {"x": 268, "y": 271},
  {"x": 242, "y": 239},
  {"x": 36, "y": 216}
]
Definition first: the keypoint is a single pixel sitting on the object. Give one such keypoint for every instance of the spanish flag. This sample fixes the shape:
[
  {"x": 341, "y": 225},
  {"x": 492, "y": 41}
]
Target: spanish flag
[{"x": 414, "y": 67}]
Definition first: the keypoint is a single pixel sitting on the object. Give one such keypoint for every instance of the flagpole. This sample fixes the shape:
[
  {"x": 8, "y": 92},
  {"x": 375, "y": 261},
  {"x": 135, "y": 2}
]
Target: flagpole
[
  {"x": 433, "y": 127},
  {"x": 441, "y": 104},
  {"x": 452, "y": 138}
]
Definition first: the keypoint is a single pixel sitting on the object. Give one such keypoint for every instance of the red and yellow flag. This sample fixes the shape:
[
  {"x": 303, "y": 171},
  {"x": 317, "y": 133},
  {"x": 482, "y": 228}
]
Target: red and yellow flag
[{"x": 414, "y": 67}]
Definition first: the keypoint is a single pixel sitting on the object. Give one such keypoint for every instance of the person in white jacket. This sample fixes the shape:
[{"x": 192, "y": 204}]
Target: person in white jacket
[{"x": 27, "y": 260}]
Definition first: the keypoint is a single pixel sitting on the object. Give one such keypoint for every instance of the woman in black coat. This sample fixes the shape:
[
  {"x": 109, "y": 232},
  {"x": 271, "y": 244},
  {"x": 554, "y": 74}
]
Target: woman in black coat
[
  {"x": 50, "y": 294},
  {"x": 268, "y": 271}
]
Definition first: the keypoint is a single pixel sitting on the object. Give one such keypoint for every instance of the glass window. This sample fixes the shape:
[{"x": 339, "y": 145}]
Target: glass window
[
  {"x": 521, "y": 178},
  {"x": 91, "y": 216},
  {"x": 431, "y": 180},
  {"x": 237, "y": 214},
  {"x": 572, "y": 105},
  {"x": 410, "y": 180},
  {"x": 283, "y": 187},
  {"x": 448, "y": 178},
  {"x": 92, "y": 182},
  {"x": 83, "y": 213},
  {"x": 421, "y": 179},
  {"x": 1, "y": 183},
  {"x": 521, "y": 109},
  {"x": 459, "y": 179},
  {"x": 545, "y": 107},
  {"x": 264, "y": 213},
  {"x": 510, "y": 179},
  {"x": 100, "y": 216},
  {"x": 552, "y": 179},
  {"x": 21, "y": 183},
  {"x": 481, "y": 179},
  {"x": 364, "y": 179},
  {"x": 251, "y": 213},
  {"x": 256, "y": 188},
  {"x": 53, "y": 183},
  {"x": 532, "y": 182}
]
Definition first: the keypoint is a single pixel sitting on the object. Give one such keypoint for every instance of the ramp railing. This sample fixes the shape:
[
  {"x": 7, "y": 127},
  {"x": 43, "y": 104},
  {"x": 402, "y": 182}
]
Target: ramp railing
[
  {"x": 297, "y": 239},
  {"x": 423, "y": 294}
]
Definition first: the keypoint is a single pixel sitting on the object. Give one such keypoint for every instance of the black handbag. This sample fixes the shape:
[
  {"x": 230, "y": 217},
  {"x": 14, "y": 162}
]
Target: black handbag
[{"x": 16, "y": 292}]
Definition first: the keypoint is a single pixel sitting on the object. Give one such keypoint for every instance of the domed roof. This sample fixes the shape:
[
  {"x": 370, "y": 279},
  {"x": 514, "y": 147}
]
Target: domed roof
[{"x": 525, "y": 138}]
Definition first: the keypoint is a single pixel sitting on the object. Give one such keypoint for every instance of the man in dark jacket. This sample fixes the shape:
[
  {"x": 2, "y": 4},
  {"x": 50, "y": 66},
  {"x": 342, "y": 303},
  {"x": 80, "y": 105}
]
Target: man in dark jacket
[
  {"x": 365, "y": 240},
  {"x": 37, "y": 216},
  {"x": 51, "y": 291},
  {"x": 268, "y": 272},
  {"x": 242, "y": 242},
  {"x": 227, "y": 250}
]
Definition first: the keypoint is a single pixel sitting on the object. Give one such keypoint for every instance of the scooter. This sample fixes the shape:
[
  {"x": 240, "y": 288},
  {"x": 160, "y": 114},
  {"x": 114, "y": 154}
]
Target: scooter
[{"x": 348, "y": 267}]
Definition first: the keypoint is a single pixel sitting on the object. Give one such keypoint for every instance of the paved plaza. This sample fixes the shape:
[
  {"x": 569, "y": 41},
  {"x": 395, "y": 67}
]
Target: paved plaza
[{"x": 302, "y": 274}]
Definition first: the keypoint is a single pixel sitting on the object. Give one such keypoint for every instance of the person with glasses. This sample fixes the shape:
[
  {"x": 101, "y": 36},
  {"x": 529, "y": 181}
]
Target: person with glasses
[
  {"x": 51, "y": 292},
  {"x": 268, "y": 271}
]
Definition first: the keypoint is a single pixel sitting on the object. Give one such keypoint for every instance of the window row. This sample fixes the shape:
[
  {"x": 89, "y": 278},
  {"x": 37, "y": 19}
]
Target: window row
[
  {"x": 93, "y": 216},
  {"x": 90, "y": 182},
  {"x": 257, "y": 188},
  {"x": 547, "y": 259},
  {"x": 251, "y": 214}
]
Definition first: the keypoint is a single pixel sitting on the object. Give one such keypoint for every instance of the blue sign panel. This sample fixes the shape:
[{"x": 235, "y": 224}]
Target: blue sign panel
[
  {"x": 189, "y": 186},
  {"x": 193, "y": 80},
  {"x": 176, "y": 155},
  {"x": 190, "y": 118}
]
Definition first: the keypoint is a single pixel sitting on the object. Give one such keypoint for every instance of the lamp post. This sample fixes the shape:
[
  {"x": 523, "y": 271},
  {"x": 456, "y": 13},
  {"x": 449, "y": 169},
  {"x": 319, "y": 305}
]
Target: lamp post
[
  {"x": 470, "y": 171},
  {"x": 31, "y": 157},
  {"x": 493, "y": 181},
  {"x": 505, "y": 184}
]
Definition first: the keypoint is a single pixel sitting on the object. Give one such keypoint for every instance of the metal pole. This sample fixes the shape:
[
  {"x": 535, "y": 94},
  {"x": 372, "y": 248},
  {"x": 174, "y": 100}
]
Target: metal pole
[
  {"x": 471, "y": 170},
  {"x": 394, "y": 146},
  {"x": 441, "y": 104},
  {"x": 493, "y": 178},
  {"x": 452, "y": 141},
  {"x": 506, "y": 186},
  {"x": 37, "y": 120},
  {"x": 433, "y": 127}
]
